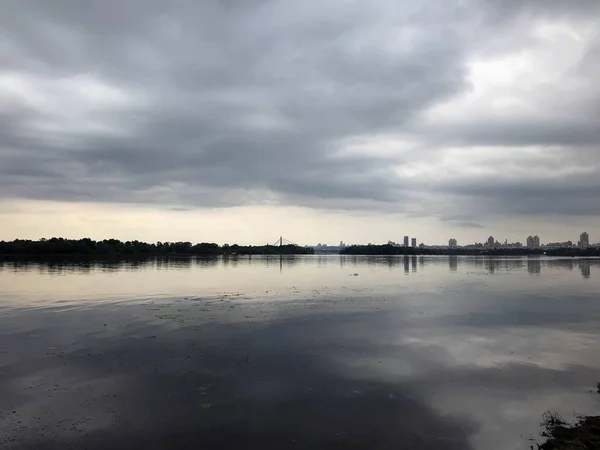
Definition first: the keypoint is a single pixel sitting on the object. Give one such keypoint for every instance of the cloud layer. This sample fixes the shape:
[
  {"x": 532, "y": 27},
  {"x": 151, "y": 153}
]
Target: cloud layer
[{"x": 453, "y": 109}]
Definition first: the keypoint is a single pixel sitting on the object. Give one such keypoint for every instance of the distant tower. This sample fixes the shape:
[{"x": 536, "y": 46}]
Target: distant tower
[
  {"x": 452, "y": 243},
  {"x": 533, "y": 242},
  {"x": 584, "y": 240},
  {"x": 406, "y": 241},
  {"x": 413, "y": 243},
  {"x": 491, "y": 242}
]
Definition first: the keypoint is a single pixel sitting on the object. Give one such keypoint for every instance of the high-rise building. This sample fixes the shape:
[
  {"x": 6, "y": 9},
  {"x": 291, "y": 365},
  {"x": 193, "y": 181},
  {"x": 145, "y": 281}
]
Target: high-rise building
[
  {"x": 452, "y": 243},
  {"x": 584, "y": 240},
  {"x": 533, "y": 242},
  {"x": 406, "y": 241},
  {"x": 491, "y": 242},
  {"x": 413, "y": 243}
]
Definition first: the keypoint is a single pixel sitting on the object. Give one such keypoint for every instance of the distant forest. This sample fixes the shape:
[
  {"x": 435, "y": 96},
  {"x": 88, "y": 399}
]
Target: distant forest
[
  {"x": 393, "y": 250},
  {"x": 86, "y": 246}
]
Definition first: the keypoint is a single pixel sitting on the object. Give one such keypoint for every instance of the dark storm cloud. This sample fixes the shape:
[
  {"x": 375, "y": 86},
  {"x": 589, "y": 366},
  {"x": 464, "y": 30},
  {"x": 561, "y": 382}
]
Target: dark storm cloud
[
  {"x": 209, "y": 72},
  {"x": 226, "y": 103}
]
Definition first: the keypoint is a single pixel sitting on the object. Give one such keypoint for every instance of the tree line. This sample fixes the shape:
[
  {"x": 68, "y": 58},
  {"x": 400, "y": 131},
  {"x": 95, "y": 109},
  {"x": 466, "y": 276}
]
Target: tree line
[{"x": 87, "y": 246}]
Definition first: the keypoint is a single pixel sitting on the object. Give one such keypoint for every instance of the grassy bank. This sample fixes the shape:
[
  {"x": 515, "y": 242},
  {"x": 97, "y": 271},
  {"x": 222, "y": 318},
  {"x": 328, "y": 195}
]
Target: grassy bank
[{"x": 560, "y": 435}]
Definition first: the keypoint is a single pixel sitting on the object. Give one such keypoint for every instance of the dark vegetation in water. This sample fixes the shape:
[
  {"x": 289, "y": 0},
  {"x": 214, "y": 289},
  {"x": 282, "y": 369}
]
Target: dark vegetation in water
[
  {"x": 393, "y": 250},
  {"x": 583, "y": 435},
  {"x": 86, "y": 246}
]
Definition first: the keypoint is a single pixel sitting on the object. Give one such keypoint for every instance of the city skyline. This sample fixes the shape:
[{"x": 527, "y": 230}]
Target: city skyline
[{"x": 532, "y": 242}]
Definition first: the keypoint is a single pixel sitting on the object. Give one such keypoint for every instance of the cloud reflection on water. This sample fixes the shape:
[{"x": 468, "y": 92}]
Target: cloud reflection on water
[{"x": 446, "y": 358}]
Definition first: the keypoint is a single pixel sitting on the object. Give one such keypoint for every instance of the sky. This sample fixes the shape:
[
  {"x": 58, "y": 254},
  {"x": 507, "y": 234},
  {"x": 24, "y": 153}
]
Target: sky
[{"x": 244, "y": 120}]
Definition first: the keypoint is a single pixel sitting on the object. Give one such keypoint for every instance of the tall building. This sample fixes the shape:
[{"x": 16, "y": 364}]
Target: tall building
[
  {"x": 413, "y": 243},
  {"x": 533, "y": 242},
  {"x": 406, "y": 241},
  {"x": 491, "y": 242},
  {"x": 584, "y": 240},
  {"x": 452, "y": 243}
]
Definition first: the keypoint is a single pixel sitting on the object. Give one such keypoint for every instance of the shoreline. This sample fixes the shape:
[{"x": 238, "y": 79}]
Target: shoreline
[{"x": 386, "y": 250}]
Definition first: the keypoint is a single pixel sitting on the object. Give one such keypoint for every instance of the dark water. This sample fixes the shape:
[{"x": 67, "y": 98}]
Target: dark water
[{"x": 264, "y": 353}]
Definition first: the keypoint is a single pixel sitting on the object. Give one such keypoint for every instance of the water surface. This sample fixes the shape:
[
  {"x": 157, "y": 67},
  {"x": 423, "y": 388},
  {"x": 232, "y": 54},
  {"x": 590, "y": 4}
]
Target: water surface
[{"x": 295, "y": 352}]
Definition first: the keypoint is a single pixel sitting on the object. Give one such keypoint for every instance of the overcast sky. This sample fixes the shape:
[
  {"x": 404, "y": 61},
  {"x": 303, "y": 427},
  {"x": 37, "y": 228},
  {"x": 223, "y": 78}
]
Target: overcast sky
[{"x": 242, "y": 120}]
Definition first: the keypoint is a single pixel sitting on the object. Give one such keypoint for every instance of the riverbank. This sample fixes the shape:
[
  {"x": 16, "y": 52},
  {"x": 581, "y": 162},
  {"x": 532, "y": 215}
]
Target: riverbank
[
  {"x": 583, "y": 435},
  {"x": 116, "y": 248}
]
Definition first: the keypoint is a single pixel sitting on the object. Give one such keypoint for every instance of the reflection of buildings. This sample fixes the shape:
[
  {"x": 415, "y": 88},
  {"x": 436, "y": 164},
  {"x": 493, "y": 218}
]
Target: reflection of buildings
[
  {"x": 493, "y": 264},
  {"x": 490, "y": 264},
  {"x": 566, "y": 264},
  {"x": 482, "y": 264},
  {"x": 453, "y": 263},
  {"x": 534, "y": 266},
  {"x": 584, "y": 240},
  {"x": 584, "y": 266}
]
